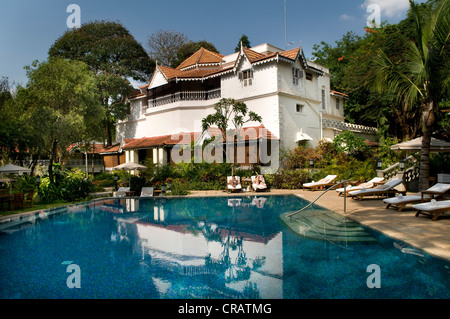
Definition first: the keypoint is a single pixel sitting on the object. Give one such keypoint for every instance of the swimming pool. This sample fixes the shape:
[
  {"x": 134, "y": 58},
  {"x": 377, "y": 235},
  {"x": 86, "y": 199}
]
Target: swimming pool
[{"x": 211, "y": 247}]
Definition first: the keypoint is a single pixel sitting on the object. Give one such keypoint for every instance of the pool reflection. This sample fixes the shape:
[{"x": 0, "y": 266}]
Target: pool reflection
[{"x": 198, "y": 254}]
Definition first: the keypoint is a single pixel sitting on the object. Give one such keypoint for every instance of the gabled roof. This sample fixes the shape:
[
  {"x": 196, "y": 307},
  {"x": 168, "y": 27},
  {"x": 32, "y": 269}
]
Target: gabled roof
[
  {"x": 204, "y": 63},
  {"x": 201, "y": 57}
]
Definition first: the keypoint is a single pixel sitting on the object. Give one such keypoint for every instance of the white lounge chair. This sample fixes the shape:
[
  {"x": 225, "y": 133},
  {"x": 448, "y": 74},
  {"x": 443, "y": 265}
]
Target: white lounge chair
[
  {"x": 121, "y": 192},
  {"x": 433, "y": 208},
  {"x": 147, "y": 192},
  {"x": 324, "y": 182},
  {"x": 381, "y": 190},
  {"x": 231, "y": 188},
  {"x": 435, "y": 192},
  {"x": 260, "y": 187},
  {"x": 366, "y": 185}
]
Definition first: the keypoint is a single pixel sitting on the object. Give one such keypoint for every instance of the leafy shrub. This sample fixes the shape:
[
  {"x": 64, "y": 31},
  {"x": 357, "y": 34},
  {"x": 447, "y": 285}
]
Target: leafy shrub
[
  {"x": 348, "y": 142},
  {"x": 49, "y": 192},
  {"x": 179, "y": 188},
  {"x": 75, "y": 186},
  {"x": 25, "y": 183},
  {"x": 289, "y": 179}
]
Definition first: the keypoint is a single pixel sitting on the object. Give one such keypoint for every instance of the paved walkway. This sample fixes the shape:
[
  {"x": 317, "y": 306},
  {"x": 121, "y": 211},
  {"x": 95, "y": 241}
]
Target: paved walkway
[{"x": 420, "y": 232}]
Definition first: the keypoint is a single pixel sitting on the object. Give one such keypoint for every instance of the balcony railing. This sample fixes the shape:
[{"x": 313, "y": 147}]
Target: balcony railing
[{"x": 185, "y": 96}]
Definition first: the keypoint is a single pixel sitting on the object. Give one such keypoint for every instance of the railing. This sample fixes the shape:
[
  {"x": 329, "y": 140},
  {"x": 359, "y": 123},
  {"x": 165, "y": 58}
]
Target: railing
[
  {"x": 394, "y": 169},
  {"x": 186, "y": 96},
  {"x": 344, "y": 126},
  {"x": 82, "y": 162},
  {"x": 323, "y": 193},
  {"x": 69, "y": 163}
]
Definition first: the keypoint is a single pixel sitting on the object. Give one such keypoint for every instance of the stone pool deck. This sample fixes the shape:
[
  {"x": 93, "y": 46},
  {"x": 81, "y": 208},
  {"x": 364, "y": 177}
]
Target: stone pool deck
[{"x": 420, "y": 232}]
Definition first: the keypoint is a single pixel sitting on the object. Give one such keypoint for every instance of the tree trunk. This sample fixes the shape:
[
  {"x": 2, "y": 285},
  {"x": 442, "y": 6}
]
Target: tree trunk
[
  {"x": 51, "y": 160},
  {"x": 108, "y": 132},
  {"x": 427, "y": 126}
]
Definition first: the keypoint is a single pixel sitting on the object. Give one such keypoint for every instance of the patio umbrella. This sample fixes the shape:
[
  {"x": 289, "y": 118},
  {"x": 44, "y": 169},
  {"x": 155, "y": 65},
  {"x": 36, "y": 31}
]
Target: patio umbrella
[
  {"x": 416, "y": 144},
  {"x": 13, "y": 169},
  {"x": 129, "y": 166}
]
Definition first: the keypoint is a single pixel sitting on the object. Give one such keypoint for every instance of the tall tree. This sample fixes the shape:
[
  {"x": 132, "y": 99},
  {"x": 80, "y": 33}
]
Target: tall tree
[
  {"x": 164, "y": 46},
  {"x": 62, "y": 105},
  {"x": 229, "y": 111},
  {"x": 244, "y": 41},
  {"x": 422, "y": 79},
  {"x": 115, "y": 56}
]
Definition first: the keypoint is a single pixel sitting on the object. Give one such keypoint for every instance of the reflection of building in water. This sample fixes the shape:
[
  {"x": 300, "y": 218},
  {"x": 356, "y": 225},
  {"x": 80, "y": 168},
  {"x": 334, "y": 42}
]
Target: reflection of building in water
[{"x": 224, "y": 258}]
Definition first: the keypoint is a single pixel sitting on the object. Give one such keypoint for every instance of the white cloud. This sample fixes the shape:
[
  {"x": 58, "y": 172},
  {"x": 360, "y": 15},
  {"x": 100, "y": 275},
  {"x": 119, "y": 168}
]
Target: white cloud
[
  {"x": 389, "y": 8},
  {"x": 346, "y": 17}
]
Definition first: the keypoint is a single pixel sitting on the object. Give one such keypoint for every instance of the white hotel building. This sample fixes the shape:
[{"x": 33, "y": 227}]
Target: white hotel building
[{"x": 290, "y": 93}]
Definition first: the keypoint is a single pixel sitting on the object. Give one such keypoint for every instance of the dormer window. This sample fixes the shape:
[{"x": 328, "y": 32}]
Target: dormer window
[{"x": 246, "y": 77}]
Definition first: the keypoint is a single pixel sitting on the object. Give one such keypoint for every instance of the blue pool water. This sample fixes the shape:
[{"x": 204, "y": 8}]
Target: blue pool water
[{"x": 208, "y": 248}]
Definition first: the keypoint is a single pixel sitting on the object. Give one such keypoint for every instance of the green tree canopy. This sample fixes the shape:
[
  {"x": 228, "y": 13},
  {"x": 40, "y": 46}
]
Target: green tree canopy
[
  {"x": 60, "y": 106},
  {"x": 244, "y": 41},
  {"x": 114, "y": 55}
]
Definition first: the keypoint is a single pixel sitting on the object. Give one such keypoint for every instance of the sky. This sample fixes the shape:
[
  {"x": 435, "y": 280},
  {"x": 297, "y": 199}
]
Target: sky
[{"x": 28, "y": 28}]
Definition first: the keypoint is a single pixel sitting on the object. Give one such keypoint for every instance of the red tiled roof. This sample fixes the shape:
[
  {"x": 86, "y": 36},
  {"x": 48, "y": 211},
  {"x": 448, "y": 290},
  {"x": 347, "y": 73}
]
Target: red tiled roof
[
  {"x": 98, "y": 148},
  {"x": 205, "y": 57},
  {"x": 110, "y": 149},
  {"x": 202, "y": 56},
  {"x": 146, "y": 142},
  {"x": 290, "y": 54},
  {"x": 338, "y": 93},
  {"x": 247, "y": 134}
]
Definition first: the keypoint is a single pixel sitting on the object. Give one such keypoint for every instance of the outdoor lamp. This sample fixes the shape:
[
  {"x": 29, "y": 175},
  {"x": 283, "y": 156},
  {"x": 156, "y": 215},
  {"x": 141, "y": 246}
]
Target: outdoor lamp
[
  {"x": 38, "y": 179},
  {"x": 379, "y": 163},
  {"x": 116, "y": 178},
  {"x": 402, "y": 164},
  {"x": 311, "y": 162}
]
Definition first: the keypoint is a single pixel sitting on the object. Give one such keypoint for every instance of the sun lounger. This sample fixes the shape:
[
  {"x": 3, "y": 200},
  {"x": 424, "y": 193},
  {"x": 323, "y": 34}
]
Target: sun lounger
[
  {"x": 260, "y": 187},
  {"x": 435, "y": 192},
  {"x": 234, "y": 188},
  {"x": 121, "y": 192},
  {"x": 324, "y": 182},
  {"x": 433, "y": 208},
  {"x": 147, "y": 192},
  {"x": 386, "y": 189},
  {"x": 366, "y": 185}
]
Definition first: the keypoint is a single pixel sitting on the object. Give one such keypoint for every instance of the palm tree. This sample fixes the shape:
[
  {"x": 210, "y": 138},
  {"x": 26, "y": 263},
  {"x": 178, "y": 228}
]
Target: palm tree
[{"x": 421, "y": 78}]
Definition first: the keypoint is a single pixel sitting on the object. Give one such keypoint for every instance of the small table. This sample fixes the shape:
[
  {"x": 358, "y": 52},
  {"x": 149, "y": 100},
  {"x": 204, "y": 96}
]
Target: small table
[
  {"x": 246, "y": 181},
  {"x": 130, "y": 193}
]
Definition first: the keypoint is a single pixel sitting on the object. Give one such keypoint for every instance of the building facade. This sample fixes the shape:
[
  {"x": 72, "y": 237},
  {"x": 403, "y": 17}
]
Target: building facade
[{"x": 290, "y": 93}]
